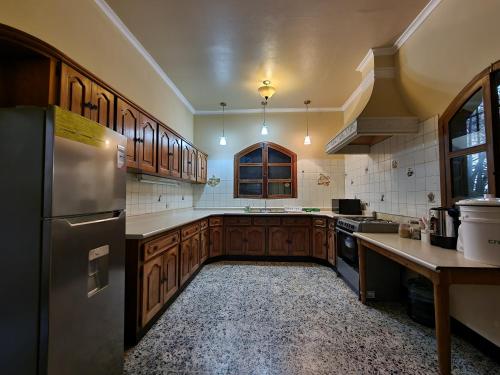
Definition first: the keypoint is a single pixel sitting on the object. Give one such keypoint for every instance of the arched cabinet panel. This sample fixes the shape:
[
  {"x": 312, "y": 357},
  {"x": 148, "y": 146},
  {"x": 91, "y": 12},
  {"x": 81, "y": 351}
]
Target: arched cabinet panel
[{"x": 265, "y": 170}]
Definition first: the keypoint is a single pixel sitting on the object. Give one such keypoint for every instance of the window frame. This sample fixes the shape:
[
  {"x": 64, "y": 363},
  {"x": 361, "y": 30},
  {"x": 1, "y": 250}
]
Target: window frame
[
  {"x": 481, "y": 81},
  {"x": 265, "y": 180}
]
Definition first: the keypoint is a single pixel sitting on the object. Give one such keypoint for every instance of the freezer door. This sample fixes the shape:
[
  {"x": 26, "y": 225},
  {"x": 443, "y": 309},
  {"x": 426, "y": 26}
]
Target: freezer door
[
  {"x": 89, "y": 167},
  {"x": 86, "y": 295}
]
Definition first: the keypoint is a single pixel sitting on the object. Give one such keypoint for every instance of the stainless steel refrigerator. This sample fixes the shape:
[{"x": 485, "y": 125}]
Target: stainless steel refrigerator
[{"x": 62, "y": 251}]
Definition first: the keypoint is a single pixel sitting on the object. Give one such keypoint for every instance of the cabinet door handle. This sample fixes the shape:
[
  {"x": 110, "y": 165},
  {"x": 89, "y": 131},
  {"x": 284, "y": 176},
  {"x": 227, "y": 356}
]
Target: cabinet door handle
[{"x": 87, "y": 105}]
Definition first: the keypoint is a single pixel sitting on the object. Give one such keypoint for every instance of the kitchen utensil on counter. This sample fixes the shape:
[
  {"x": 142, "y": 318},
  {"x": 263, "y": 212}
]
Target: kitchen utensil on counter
[
  {"x": 425, "y": 236},
  {"x": 480, "y": 229},
  {"x": 443, "y": 225}
]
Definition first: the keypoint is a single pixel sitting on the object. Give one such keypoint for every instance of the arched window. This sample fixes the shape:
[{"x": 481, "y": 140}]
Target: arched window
[
  {"x": 265, "y": 170},
  {"x": 469, "y": 139}
]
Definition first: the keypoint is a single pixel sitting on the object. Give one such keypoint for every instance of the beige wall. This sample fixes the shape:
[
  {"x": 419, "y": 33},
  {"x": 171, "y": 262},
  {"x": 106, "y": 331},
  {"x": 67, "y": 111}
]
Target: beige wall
[
  {"x": 80, "y": 30},
  {"x": 457, "y": 41},
  {"x": 287, "y": 129}
]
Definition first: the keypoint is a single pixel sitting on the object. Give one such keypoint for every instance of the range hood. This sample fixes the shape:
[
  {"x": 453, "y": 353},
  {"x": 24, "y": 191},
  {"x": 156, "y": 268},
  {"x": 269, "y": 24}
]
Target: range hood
[{"x": 384, "y": 115}]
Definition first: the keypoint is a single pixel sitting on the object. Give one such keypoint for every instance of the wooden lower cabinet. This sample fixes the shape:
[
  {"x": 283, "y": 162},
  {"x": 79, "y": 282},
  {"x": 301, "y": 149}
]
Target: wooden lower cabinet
[
  {"x": 299, "y": 241},
  {"x": 204, "y": 245},
  {"x": 235, "y": 240},
  {"x": 152, "y": 289},
  {"x": 185, "y": 261},
  {"x": 195, "y": 253},
  {"x": 216, "y": 247},
  {"x": 331, "y": 245},
  {"x": 170, "y": 273},
  {"x": 278, "y": 242},
  {"x": 255, "y": 243},
  {"x": 288, "y": 241},
  {"x": 319, "y": 244}
]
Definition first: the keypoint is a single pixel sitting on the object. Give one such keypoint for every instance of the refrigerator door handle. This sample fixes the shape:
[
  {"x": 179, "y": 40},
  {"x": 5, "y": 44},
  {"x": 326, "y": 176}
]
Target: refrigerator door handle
[{"x": 76, "y": 222}]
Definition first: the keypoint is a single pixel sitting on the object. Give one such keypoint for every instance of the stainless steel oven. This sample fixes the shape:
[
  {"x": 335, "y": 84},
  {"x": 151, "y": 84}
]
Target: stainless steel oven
[{"x": 347, "y": 248}]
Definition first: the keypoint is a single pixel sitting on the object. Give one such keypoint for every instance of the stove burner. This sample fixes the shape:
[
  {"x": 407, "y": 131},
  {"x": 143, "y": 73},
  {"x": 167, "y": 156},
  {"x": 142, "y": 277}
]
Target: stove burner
[{"x": 367, "y": 225}]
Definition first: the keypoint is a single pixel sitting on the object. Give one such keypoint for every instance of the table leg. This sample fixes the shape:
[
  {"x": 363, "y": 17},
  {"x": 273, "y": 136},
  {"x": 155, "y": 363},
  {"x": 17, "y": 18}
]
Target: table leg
[
  {"x": 362, "y": 272},
  {"x": 442, "y": 316}
]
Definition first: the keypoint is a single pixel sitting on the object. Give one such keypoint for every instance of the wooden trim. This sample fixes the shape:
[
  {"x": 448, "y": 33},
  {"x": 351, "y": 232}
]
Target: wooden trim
[{"x": 480, "y": 81}]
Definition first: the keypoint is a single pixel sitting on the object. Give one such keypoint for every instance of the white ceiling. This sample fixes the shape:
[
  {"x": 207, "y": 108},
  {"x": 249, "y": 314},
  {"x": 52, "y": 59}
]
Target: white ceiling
[{"x": 221, "y": 50}]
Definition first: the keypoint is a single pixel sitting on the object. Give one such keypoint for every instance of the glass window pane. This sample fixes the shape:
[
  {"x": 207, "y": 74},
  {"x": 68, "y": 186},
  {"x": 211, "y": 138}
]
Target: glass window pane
[
  {"x": 497, "y": 90},
  {"x": 280, "y": 173},
  {"x": 250, "y": 173},
  {"x": 280, "y": 188},
  {"x": 467, "y": 127},
  {"x": 250, "y": 189},
  {"x": 254, "y": 156},
  {"x": 275, "y": 156},
  {"x": 469, "y": 175}
]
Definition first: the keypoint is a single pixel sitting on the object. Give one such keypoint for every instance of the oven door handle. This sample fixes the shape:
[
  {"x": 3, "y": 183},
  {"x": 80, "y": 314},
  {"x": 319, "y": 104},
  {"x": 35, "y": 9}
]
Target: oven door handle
[{"x": 344, "y": 231}]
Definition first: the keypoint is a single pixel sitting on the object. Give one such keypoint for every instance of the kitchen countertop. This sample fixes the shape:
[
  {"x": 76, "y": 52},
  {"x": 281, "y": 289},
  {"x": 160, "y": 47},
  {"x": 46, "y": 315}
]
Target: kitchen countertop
[
  {"x": 429, "y": 256},
  {"x": 143, "y": 226}
]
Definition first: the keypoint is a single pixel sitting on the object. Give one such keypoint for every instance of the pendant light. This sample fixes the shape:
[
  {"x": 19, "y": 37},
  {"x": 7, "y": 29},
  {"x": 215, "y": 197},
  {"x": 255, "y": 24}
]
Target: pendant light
[
  {"x": 264, "y": 130},
  {"x": 307, "y": 139},
  {"x": 267, "y": 90},
  {"x": 222, "y": 140}
]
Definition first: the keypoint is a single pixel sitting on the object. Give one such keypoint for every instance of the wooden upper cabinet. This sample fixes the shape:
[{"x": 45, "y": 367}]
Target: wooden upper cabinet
[
  {"x": 201, "y": 174},
  {"x": 175, "y": 157},
  {"x": 147, "y": 144},
  {"x": 169, "y": 153},
  {"x": 189, "y": 159},
  {"x": 193, "y": 159},
  {"x": 103, "y": 106},
  {"x": 127, "y": 123},
  {"x": 75, "y": 92}
]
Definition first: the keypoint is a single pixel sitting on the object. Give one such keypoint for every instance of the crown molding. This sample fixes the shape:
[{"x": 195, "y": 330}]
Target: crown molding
[
  {"x": 113, "y": 17},
  {"x": 268, "y": 110},
  {"x": 416, "y": 23},
  {"x": 387, "y": 72}
]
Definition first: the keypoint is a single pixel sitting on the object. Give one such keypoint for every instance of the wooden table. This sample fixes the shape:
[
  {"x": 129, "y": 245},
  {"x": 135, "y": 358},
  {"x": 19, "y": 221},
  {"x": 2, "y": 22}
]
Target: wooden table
[{"x": 441, "y": 266}]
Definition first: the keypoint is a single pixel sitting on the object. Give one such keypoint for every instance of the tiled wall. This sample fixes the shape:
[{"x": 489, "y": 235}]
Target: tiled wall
[
  {"x": 310, "y": 194},
  {"x": 145, "y": 198},
  {"x": 373, "y": 178}
]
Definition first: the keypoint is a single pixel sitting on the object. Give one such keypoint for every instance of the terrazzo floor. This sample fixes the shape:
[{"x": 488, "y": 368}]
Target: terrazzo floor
[{"x": 288, "y": 318}]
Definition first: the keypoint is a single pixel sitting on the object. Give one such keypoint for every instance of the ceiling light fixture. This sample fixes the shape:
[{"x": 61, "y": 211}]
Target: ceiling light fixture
[
  {"x": 222, "y": 140},
  {"x": 267, "y": 90},
  {"x": 307, "y": 139},
  {"x": 264, "y": 130}
]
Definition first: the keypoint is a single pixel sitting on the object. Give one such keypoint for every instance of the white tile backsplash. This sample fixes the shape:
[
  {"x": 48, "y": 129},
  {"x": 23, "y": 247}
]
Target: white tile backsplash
[
  {"x": 145, "y": 198},
  {"x": 310, "y": 194},
  {"x": 373, "y": 179}
]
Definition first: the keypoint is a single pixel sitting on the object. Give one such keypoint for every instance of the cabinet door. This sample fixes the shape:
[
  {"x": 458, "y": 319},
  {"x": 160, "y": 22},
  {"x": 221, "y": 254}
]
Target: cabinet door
[
  {"x": 152, "y": 288},
  {"x": 193, "y": 159},
  {"x": 75, "y": 92},
  {"x": 147, "y": 144},
  {"x": 127, "y": 123},
  {"x": 170, "y": 274},
  {"x": 186, "y": 154},
  {"x": 164, "y": 142},
  {"x": 331, "y": 247},
  {"x": 185, "y": 261},
  {"x": 175, "y": 158},
  {"x": 204, "y": 244},
  {"x": 255, "y": 241},
  {"x": 103, "y": 106},
  {"x": 195, "y": 252},
  {"x": 201, "y": 174},
  {"x": 299, "y": 241},
  {"x": 235, "y": 240},
  {"x": 216, "y": 241},
  {"x": 319, "y": 242},
  {"x": 278, "y": 241}
]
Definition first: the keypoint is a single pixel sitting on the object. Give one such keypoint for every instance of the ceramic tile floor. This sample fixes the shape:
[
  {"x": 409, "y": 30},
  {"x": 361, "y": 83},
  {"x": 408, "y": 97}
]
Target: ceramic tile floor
[{"x": 287, "y": 318}]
